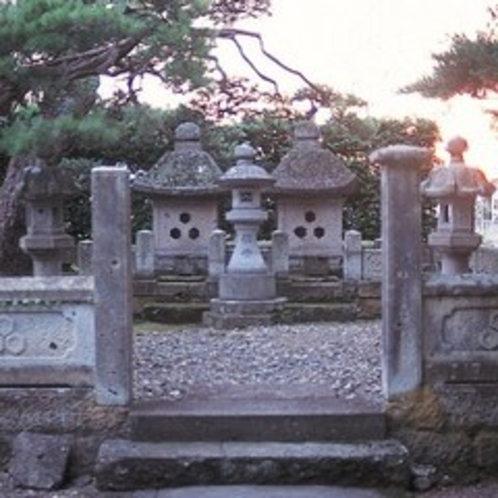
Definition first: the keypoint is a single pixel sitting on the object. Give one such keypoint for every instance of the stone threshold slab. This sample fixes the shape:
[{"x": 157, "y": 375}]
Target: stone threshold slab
[{"x": 127, "y": 465}]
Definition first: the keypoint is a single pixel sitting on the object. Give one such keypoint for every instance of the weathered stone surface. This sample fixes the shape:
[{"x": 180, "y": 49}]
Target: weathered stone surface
[
  {"x": 126, "y": 465},
  {"x": 309, "y": 168},
  {"x": 456, "y": 187},
  {"x": 273, "y": 492},
  {"x": 319, "y": 312},
  {"x": 247, "y": 290},
  {"x": 460, "y": 329},
  {"x": 40, "y": 460},
  {"x": 186, "y": 169},
  {"x": 5, "y": 452},
  {"x": 47, "y": 334},
  {"x": 113, "y": 288},
  {"x": 469, "y": 406},
  {"x": 353, "y": 261},
  {"x": 183, "y": 187},
  {"x": 44, "y": 188},
  {"x": 22, "y": 290},
  {"x": 174, "y": 312},
  {"x": 311, "y": 184},
  {"x": 421, "y": 409},
  {"x": 57, "y": 410},
  {"x": 450, "y": 453},
  {"x": 247, "y": 287},
  {"x": 232, "y": 418},
  {"x": 401, "y": 264},
  {"x": 144, "y": 254},
  {"x": 486, "y": 450}
]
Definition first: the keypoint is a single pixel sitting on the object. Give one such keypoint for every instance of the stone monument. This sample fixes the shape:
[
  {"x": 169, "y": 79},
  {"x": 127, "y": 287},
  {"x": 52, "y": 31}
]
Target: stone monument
[
  {"x": 311, "y": 186},
  {"x": 183, "y": 188}
]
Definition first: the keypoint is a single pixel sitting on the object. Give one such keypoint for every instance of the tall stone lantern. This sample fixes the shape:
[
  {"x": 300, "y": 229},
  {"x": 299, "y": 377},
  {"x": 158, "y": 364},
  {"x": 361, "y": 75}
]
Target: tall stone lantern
[
  {"x": 247, "y": 289},
  {"x": 455, "y": 188},
  {"x": 44, "y": 189}
]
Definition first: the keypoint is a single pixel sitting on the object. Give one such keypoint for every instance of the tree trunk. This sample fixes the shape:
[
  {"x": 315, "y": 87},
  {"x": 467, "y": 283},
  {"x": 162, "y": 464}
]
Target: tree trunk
[{"x": 13, "y": 261}]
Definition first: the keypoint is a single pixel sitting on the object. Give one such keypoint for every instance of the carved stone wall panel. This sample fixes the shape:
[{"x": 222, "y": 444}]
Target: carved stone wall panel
[
  {"x": 40, "y": 340},
  {"x": 460, "y": 337}
]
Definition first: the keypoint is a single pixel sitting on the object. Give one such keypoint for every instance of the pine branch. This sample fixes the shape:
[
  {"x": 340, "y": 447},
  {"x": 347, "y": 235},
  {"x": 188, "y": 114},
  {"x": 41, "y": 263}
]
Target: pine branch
[
  {"x": 89, "y": 63},
  {"x": 232, "y": 34}
]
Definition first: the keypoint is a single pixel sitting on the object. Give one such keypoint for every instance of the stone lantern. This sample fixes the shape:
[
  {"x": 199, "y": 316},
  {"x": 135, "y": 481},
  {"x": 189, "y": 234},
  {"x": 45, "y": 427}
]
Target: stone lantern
[
  {"x": 455, "y": 188},
  {"x": 311, "y": 186},
  {"x": 247, "y": 289},
  {"x": 183, "y": 188},
  {"x": 45, "y": 188}
]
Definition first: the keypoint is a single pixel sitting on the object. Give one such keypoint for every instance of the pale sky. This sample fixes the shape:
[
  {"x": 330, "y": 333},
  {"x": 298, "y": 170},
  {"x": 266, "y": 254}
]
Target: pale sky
[
  {"x": 368, "y": 47},
  {"x": 372, "y": 48}
]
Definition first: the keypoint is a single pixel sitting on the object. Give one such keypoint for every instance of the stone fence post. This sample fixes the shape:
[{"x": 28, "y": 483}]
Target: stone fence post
[
  {"x": 401, "y": 266},
  {"x": 144, "y": 254},
  {"x": 280, "y": 253},
  {"x": 85, "y": 256},
  {"x": 113, "y": 284},
  {"x": 353, "y": 257},
  {"x": 217, "y": 253}
]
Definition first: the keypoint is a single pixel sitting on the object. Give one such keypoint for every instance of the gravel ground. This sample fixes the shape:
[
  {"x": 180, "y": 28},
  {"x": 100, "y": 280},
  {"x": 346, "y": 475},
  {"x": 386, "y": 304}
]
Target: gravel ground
[{"x": 170, "y": 363}]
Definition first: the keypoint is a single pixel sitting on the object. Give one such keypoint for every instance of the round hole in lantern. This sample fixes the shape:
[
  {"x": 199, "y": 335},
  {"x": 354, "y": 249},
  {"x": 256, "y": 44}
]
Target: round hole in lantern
[
  {"x": 175, "y": 233},
  {"x": 300, "y": 232},
  {"x": 310, "y": 216}
]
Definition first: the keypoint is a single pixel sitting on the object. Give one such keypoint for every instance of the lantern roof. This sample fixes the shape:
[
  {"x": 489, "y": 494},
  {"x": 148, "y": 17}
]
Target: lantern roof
[
  {"x": 309, "y": 168},
  {"x": 245, "y": 173},
  {"x": 186, "y": 170}
]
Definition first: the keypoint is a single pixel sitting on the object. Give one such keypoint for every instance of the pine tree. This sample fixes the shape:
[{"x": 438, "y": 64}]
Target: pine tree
[
  {"x": 469, "y": 66},
  {"x": 52, "y": 53}
]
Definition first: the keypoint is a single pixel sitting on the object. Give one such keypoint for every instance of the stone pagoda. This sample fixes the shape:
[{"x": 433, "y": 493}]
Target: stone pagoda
[
  {"x": 183, "y": 188},
  {"x": 455, "y": 188},
  {"x": 311, "y": 186}
]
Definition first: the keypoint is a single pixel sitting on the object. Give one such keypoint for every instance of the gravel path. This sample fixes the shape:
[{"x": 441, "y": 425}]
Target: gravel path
[{"x": 170, "y": 363}]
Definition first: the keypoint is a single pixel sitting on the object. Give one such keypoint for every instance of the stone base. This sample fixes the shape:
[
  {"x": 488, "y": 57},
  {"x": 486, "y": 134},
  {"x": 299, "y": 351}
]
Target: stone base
[
  {"x": 235, "y": 314},
  {"x": 247, "y": 287}
]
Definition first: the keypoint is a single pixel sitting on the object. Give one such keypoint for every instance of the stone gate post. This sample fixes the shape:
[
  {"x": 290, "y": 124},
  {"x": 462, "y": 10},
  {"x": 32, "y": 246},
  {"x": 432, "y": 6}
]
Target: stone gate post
[
  {"x": 113, "y": 284},
  {"x": 401, "y": 267}
]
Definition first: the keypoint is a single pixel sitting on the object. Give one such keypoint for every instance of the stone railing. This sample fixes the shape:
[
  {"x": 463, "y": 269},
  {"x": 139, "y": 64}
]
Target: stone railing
[{"x": 362, "y": 260}]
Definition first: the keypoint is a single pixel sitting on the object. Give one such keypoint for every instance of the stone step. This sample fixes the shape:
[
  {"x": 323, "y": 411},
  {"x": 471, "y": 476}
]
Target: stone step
[
  {"x": 126, "y": 465},
  {"x": 258, "y": 413},
  {"x": 291, "y": 312},
  {"x": 174, "y": 312}
]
